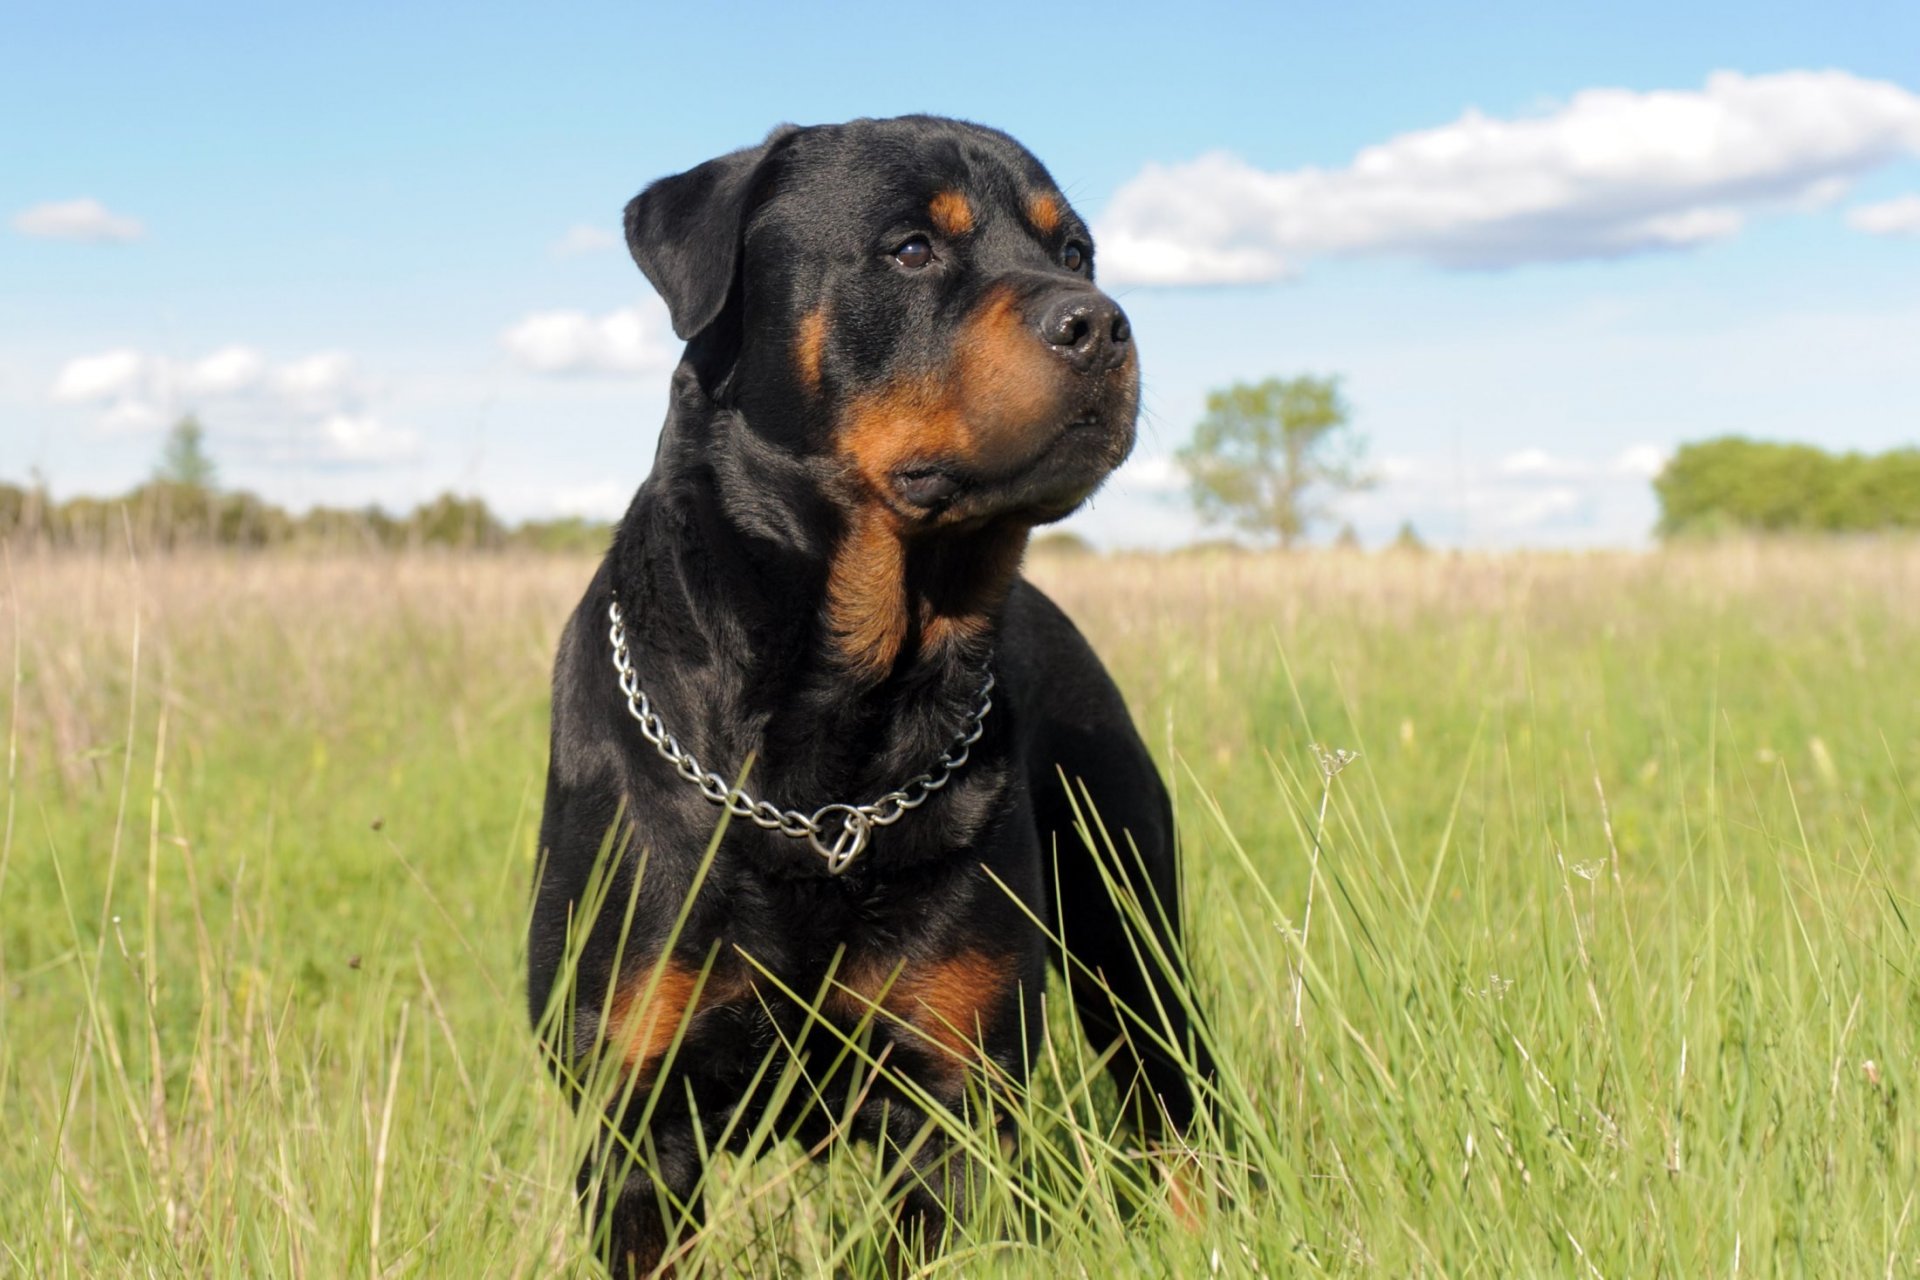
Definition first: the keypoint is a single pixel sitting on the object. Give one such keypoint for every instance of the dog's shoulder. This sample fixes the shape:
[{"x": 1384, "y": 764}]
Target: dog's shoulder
[
  {"x": 584, "y": 748},
  {"x": 1049, "y": 665}
]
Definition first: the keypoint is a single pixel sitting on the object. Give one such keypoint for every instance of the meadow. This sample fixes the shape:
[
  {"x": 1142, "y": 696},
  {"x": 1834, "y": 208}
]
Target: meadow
[{"x": 1603, "y": 940}]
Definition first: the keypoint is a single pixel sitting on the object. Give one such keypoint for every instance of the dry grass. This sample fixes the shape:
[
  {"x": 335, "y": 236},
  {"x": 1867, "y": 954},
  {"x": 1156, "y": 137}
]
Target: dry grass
[{"x": 1610, "y": 968}]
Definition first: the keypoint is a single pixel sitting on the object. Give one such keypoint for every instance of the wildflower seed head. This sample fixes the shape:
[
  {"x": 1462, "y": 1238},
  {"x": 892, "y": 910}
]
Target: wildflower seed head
[{"x": 1333, "y": 760}]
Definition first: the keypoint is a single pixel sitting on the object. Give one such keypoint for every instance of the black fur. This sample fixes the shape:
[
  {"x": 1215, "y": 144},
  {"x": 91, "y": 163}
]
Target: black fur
[
  {"x": 725, "y": 564},
  {"x": 684, "y": 232}
]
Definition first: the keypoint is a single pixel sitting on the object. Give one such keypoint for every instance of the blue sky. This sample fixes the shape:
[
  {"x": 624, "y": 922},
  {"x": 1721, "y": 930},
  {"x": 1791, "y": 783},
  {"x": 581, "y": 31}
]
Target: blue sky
[{"x": 372, "y": 246}]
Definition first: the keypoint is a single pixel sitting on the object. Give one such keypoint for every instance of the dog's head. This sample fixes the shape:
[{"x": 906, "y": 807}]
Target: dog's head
[{"x": 910, "y": 303}]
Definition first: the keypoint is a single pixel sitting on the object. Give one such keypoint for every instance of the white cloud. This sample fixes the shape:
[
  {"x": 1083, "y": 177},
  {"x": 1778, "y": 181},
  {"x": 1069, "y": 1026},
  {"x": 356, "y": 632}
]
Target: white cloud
[
  {"x": 601, "y": 500},
  {"x": 1529, "y": 462},
  {"x": 354, "y": 438},
  {"x": 1611, "y": 172},
  {"x": 1643, "y": 460},
  {"x": 84, "y": 219},
  {"x": 228, "y": 371},
  {"x": 1897, "y": 217},
  {"x": 107, "y": 376},
  {"x": 1151, "y": 473},
  {"x": 318, "y": 379},
  {"x": 584, "y": 239},
  {"x": 310, "y": 410},
  {"x": 636, "y": 339},
  {"x": 1542, "y": 507},
  {"x": 1532, "y": 497}
]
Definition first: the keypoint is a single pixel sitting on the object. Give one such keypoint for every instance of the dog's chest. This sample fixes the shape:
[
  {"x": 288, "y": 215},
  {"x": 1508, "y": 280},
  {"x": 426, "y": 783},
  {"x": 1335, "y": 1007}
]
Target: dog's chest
[{"x": 816, "y": 967}]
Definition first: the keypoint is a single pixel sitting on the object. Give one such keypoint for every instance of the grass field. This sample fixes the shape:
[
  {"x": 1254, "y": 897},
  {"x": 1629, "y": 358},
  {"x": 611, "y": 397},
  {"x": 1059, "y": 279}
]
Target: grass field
[{"x": 1609, "y": 970}]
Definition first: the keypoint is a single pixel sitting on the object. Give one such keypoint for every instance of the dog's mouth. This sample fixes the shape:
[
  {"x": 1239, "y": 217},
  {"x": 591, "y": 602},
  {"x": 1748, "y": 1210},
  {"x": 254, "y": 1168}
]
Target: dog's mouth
[
  {"x": 1078, "y": 455},
  {"x": 929, "y": 487}
]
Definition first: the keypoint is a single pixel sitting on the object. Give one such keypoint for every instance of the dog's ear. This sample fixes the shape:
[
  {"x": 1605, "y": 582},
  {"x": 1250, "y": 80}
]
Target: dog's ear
[{"x": 685, "y": 232}]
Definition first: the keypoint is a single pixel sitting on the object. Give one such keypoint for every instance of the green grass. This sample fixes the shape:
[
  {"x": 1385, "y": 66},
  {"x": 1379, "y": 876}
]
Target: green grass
[{"x": 1609, "y": 972}]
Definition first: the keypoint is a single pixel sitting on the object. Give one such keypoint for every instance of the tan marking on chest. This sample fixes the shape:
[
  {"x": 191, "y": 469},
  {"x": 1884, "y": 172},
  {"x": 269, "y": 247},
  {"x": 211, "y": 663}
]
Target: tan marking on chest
[
  {"x": 966, "y": 613},
  {"x": 867, "y": 592},
  {"x": 947, "y": 1006},
  {"x": 649, "y": 1008},
  {"x": 989, "y": 410}
]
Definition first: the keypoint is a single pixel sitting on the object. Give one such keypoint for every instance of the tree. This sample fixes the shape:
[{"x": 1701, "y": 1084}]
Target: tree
[
  {"x": 1062, "y": 542},
  {"x": 1268, "y": 457},
  {"x": 1734, "y": 484},
  {"x": 453, "y": 521},
  {"x": 184, "y": 460}
]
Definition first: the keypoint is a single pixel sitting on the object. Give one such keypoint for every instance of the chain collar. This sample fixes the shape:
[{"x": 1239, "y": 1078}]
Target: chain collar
[{"x": 837, "y": 832}]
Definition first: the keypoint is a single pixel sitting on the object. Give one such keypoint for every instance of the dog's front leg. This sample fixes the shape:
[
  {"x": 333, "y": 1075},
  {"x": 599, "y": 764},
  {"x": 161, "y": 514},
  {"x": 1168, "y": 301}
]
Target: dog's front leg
[
  {"x": 640, "y": 1192},
  {"x": 941, "y": 1178}
]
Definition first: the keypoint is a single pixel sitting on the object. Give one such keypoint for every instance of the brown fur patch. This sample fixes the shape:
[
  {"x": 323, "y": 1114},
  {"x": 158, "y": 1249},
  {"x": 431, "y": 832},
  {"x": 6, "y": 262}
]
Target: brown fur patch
[
  {"x": 949, "y": 1004},
  {"x": 1186, "y": 1196},
  {"x": 942, "y": 629},
  {"x": 953, "y": 1000},
  {"x": 905, "y": 422},
  {"x": 809, "y": 347},
  {"x": 990, "y": 409},
  {"x": 994, "y": 561},
  {"x": 1043, "y": 211},
  {"x": 993, "y": 402},
  {"x": 867, "y": 591},
  {"x": 1011, "y": 387},
  {"x": 647, "y": 1012},
  {"x": 952, "y": 215}
]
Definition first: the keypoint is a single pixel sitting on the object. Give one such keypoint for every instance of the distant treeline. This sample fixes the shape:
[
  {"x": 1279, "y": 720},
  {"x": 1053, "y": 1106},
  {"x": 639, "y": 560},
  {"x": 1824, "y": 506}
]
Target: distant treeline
[
  {"x": 1724, "y": 486},
  {"x": 163, "y": 514},
  {"x": 1734, "y": 485}
]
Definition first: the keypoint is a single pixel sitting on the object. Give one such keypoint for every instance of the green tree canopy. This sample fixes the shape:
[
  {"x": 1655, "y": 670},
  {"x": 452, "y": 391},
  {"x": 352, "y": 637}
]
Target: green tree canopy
[
  {"x": 1268, "y": 458},
  {"x": 1063, "y": 542},
  {"x": 1733, "y": 483},
  {"x": 184, "y": 460},
  {"x": 163, "y": 513}
]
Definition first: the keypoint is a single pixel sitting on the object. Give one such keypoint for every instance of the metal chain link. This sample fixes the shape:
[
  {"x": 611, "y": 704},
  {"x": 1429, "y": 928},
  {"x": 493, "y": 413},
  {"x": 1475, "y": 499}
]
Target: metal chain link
[{"x": 851, "y": 825}]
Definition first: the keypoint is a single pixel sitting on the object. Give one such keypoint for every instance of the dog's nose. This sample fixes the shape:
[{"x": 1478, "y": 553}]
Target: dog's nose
[{"x": 1089, "y": 329}]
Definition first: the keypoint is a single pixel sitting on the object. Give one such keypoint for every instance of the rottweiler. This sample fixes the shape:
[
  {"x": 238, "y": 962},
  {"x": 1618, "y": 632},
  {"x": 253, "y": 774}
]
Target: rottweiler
[{"x": 811, "y": 622}]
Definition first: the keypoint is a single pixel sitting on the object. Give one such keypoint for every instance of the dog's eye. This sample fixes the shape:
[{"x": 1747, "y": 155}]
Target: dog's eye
[
  {"x": 914, "y": 253},
  {"x": 1073, "y": 257}
]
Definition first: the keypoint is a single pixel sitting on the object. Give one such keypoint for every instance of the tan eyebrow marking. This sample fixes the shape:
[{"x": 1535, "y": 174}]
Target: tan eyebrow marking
[
  {"x": 810, "y": 346},
  {"x": 1043, "y": 211},
  {"x": 952, "y": 215}
]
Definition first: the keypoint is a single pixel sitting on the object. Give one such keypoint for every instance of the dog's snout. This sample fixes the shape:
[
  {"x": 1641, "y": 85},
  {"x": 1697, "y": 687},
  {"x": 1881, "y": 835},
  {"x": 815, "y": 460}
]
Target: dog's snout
[{"x": 1089, "y": 329}]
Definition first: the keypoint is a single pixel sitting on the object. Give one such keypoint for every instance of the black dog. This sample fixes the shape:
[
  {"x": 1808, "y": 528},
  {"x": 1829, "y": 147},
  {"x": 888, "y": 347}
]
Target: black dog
[{"x": 897, "y": 364}]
